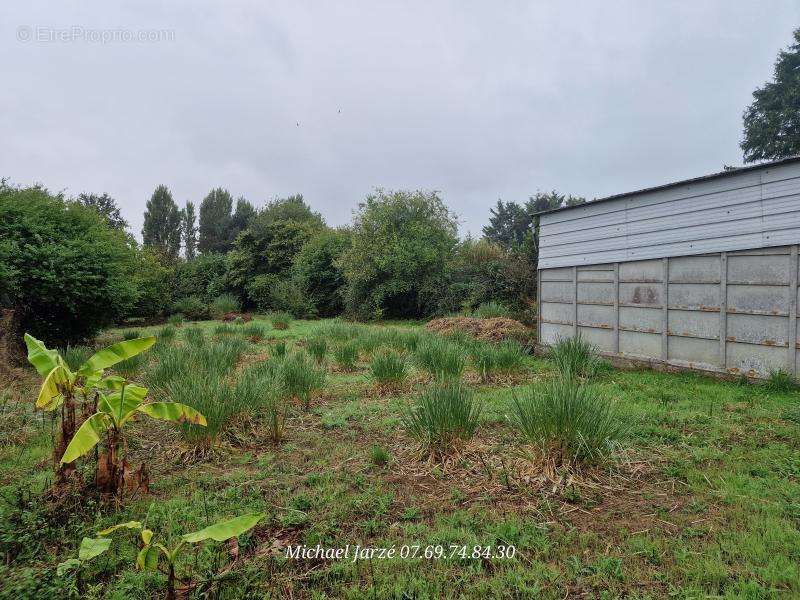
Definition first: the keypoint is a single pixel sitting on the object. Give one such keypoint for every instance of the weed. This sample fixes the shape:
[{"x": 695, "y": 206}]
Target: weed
[
  {"x": 444, "y": 414},
  {"x": 280, "y": 320},
  {"x": 780, "y": 382},
  {"x": 489, "y": 310},
  {"x": 75, "y": 356},
  {"x": 489, "y": 359},
  {"x": 575, "y": 357},
  {"x": 167, "y": 333},
  {"x": 299, "y": 378},
  {"x": 440, "y": 357},
  {"x": 194, "y": 336},
  {"x": 176, "y": 319},
  {"x": 279, "y": 350},
  {"x": 318, "y": 348},
  {"x": 224, "y": 329},
  {"x": 379, "y": 456},
  {"x": 254, "y": 332},
  {"x": 130, "y": 334},
  {"x": 223, "y": 304},
  {"x": 568, "y": 421},
  {"x": 388, "y": 368},
  {"x": 346, "y": 355}
]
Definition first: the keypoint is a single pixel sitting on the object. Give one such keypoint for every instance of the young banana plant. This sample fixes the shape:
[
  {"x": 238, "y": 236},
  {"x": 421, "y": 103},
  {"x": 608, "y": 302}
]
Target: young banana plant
[
  {"x": 62, "y": 387},
  {"x": 151, "y": 552},
  {"x": 114, "y": 411}
]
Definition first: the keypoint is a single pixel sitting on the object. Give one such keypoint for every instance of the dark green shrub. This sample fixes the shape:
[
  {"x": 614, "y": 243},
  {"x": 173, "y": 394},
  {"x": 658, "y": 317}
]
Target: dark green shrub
[
  {"x": 63, "y": 266},
  {"x": 318, "y": 273},
  {"x": 193, "y": 308}
]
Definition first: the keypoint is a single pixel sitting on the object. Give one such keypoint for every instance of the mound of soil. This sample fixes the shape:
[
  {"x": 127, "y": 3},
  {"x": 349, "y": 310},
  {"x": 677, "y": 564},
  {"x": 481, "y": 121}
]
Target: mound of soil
[
  {"x": 232, "y": 316},
  {"x": 496, "y": 329}
]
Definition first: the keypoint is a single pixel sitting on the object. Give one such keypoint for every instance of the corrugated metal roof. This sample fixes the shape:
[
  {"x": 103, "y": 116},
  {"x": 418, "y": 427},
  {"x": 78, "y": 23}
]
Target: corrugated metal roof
[
  {"x": 736, "y": 210},
  {"x": 666, "y": 186}
]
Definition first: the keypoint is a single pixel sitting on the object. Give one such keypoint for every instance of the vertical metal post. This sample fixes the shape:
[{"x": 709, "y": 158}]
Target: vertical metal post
[
  {"x": 616, "y": 308},
  {"x": 574, "y": 301},
  {"x": 723, "y": 310},
  {"x": 792, "y": 350},
  {"x": 538, "y": 305},
  {"x": 665, "y": 309}
]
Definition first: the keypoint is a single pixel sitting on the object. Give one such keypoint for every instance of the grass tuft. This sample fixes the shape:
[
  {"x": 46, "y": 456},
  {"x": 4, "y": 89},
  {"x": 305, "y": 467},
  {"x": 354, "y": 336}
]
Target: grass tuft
[
  {"x": 318, "y": 348},
  {"x": 446, "y": 413},
  {"x": 569, "y": 422},
  {"x": 346, "y": 355},
  {"x": 280, "y": 320},
  {"x": 299, "y": 378},
  {"x": 780, "y": 382},
  {"x": 388, "y": 368},
  {"x": 440, "y": 357},
  {"x": 575, "y": 357}
]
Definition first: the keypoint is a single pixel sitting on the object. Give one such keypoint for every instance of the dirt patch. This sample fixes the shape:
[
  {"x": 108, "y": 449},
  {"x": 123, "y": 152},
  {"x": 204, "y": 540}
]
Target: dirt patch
[
  {"x": 232, "y": 316},
  {"x": 495, "y": 330}
]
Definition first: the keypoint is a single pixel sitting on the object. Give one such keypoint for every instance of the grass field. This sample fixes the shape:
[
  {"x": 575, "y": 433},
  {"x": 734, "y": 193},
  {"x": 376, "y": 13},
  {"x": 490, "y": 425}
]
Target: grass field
[{"x": 700, "y": 500}]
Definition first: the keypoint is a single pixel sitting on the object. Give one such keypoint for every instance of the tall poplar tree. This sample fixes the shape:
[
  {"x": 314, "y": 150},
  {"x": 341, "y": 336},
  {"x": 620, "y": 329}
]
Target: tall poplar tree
[
  {"x": 215, "y": 221},
  {"x": 189, "y": 230},
  {"x": 162, "y": 223}
]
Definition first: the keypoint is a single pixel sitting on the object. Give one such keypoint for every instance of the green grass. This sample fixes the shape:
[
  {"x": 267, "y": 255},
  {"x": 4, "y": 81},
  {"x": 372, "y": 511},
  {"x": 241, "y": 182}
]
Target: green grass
[
  {"x": 569, "y": 422},
  {"x": 317, "y": 347},
  {"x": 505, "y": 358},
  {"x": 489, "y": 310},
  {"x": 703, "y": 503},
  {"x": 345, "y": 355},
  {"x": 575, "y": 357},
  {"x": 444, "y": 414},
  {"x": 442, "y": 358},
  {"x": 299, "y": 378},
  {"x": 388, "y": 368}
]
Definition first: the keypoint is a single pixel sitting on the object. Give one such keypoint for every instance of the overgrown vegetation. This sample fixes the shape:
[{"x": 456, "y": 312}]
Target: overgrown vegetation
[{"x": 466, "y": 458}]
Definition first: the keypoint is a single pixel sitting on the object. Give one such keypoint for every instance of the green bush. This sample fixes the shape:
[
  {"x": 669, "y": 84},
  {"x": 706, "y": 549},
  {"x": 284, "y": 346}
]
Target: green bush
[
  {"x": 400, "y": 243},
  {"x": 440, "y": 357},
  {"x": 316, "y": 269},
  {"x": 346, "y": 355},
  {"x": 223, "y": 304},
  {"x": 67, "y": 271},
  {"x": 575, "y": 357},
  {"x": 443, "y": 415},
  {"x": 318, "y": 348},
  {"x": 193, "y": 308},
  {"x": 388, "y": 368},
  {"x": 288, "y": 295},
  {"x": 569, "y": 422}
]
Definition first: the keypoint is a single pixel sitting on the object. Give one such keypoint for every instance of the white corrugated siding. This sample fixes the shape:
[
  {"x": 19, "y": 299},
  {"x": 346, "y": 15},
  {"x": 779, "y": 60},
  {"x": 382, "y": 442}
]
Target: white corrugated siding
[{"x": 753, "y": 209}]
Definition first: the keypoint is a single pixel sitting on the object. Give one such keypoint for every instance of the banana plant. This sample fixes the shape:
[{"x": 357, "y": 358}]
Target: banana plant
[
  {"x": 114, "y": 411},
  {"x": 152, "y": 553},
  {"x": 62, "y": 387},
  {"x": 90, "y": 548}
]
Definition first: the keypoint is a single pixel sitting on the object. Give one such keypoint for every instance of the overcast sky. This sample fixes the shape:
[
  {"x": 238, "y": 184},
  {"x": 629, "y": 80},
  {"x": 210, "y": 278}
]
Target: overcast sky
[{"x": 480, "y": 100}]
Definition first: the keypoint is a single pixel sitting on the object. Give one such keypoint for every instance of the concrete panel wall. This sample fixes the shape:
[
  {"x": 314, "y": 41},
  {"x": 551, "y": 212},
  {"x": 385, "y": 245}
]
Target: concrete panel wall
[{"x": 729, "y": 311}]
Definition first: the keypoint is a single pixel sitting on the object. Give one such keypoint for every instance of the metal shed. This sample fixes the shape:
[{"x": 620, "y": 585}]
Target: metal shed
[{"x": 699, "y": 273}]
